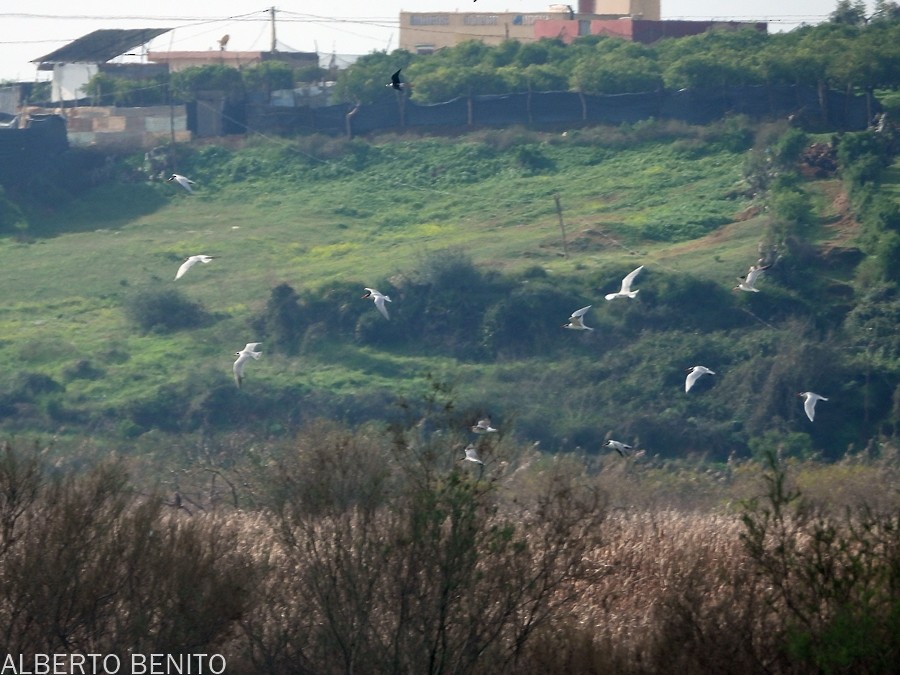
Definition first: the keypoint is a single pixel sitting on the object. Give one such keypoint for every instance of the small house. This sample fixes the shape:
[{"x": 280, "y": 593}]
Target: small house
[{"x": 75, "y": 64}]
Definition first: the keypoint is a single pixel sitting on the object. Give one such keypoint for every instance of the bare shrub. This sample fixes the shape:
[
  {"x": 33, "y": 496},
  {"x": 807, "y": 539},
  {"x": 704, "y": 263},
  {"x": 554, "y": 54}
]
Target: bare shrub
[
  {"x": 86, "y": 567},
  {"x": 420, "y": 571}
]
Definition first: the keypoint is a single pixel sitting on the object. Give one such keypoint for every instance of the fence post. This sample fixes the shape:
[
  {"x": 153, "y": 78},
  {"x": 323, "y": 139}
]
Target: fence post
[
  {"x": 562, "y": 226},
  {"x": 528, "y": 105},
  {"x": 348, "y": 119}
]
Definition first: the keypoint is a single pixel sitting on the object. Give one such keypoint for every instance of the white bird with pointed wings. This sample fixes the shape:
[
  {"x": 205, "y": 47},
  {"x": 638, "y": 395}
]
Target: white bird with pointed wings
[
  {"x": 183, "y": 181},
  {"x": 379, "y": 299},
  {"x": 622, "y": 448},
  {"x": 472, "y": 455},
  {"x": 243, "y": 356},
  {"x": 483, "y": 427},
  {"x": 190, "y": 262},
  {"x": 576, "y": 321},
  {"x": 625, "y": 290},
  {"x": 809, "y": 403},
  {"x": 748, "y": 281},
  {"x": 694, "y": 373}
]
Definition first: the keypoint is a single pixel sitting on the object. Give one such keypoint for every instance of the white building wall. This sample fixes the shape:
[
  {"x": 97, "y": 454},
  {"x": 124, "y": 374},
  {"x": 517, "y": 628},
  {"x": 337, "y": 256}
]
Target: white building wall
[{"x": 69, "y": 80}]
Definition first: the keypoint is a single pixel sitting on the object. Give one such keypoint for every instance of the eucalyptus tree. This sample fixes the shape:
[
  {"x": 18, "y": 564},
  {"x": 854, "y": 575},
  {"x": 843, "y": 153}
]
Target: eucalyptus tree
[
  {"x": 702, "y": 71},
  {"x": 885, "y": 10},
  {"x": 614, "y": 73},
  {"x": 543, "y": 52},
  {"x": 849, "y": 12},
  {"x": 615, "y": 66}
]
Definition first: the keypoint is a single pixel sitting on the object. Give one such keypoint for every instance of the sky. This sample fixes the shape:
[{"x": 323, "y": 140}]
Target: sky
[{"x": 39, "y": 27}]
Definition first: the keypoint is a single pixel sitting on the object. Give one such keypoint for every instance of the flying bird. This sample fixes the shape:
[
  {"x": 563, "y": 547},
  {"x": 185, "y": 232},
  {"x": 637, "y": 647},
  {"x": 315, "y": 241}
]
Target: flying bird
[
  {"x": 190, "y": 262},
  {"x": 484, "y": 427},
  {"x": 379, "y": 300},
  {"x": 622, "y": 448},
  {"x": 472, "y": 455},
  {"x": 693, "y": 374},
  {"x": 809, "y": 403},
  {"x": 576, "y": 321},
  {"x": 748, "y": 281},
  {"x": 242, "y": 357},
  {"x": 183, "y": 181},
  {"x": 395, "y": 82},
  {"x": 625, "y": 291}
]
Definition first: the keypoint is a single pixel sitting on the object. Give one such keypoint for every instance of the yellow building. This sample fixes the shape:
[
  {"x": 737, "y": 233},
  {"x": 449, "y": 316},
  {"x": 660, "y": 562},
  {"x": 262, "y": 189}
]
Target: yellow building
[{"x": 426, "y": 32}]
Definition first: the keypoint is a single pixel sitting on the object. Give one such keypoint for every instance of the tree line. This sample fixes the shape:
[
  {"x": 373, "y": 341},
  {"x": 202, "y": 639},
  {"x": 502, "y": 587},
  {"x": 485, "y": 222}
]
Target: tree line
[{"x": 849, "y": 52}]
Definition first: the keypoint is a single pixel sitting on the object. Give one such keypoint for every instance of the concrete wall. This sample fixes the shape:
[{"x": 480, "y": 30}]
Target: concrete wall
[{"x": 126, "y": 127}]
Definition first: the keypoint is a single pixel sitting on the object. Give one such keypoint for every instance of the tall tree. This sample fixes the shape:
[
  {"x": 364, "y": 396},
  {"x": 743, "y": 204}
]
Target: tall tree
[
  {"x": 852, "y": 13},
  {"x": 886, "y": 10}
]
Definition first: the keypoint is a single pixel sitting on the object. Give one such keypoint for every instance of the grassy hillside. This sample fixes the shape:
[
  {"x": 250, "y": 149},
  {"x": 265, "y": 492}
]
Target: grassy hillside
[{"x": 464, "y": 234}]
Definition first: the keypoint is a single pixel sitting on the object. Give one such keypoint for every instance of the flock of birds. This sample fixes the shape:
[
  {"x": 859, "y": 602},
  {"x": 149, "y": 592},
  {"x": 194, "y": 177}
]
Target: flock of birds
[
  {"x": 250, "y": 350},
  {"x": 746, "y": 283}
]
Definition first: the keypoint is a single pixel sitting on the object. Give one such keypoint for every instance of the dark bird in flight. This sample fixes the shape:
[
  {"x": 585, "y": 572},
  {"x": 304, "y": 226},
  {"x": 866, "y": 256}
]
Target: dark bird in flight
[{"x": 395, "y": 82}]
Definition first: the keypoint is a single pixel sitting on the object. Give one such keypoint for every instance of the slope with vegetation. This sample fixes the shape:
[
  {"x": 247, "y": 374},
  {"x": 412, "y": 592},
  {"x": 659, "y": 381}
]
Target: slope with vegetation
[{"x": 465, "y": 236}]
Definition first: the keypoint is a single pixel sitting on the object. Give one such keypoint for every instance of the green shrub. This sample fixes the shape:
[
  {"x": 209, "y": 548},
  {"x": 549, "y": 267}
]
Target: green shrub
[
  {"x": 792, "y": 207},
  {"x": 833, "y": 581},
  {"x": 164, "y": 310},
  {"x": 862, "y": 157},
  {"x": 533, "y": 161},
  {"x": 789, "y": 147},
  {"x": 282, "y": 323}
]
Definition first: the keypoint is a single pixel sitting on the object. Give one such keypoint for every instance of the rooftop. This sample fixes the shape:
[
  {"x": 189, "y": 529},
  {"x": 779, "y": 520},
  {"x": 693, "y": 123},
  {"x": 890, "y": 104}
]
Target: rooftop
[{"x": 99, "y": 46}]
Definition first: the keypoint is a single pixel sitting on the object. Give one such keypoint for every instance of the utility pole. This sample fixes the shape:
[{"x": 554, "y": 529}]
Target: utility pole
[{"x": 272, "y": 11}]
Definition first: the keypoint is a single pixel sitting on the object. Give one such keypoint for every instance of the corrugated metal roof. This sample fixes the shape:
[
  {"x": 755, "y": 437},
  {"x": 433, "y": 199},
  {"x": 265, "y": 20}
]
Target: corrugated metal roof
[{"x": 99, "y": 46}]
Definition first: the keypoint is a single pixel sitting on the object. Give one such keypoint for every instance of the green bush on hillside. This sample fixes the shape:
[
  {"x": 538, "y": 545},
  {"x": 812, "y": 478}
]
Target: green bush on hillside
[
  {"x": 164, "y": 310},
  {"x": 862, "y": 157},
  {"x": 282, "y": 324}
]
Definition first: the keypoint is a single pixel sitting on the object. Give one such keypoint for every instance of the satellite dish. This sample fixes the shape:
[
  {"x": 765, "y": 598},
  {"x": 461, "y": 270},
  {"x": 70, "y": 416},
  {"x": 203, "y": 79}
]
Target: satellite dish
[{"x": 223, "y": 41}]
